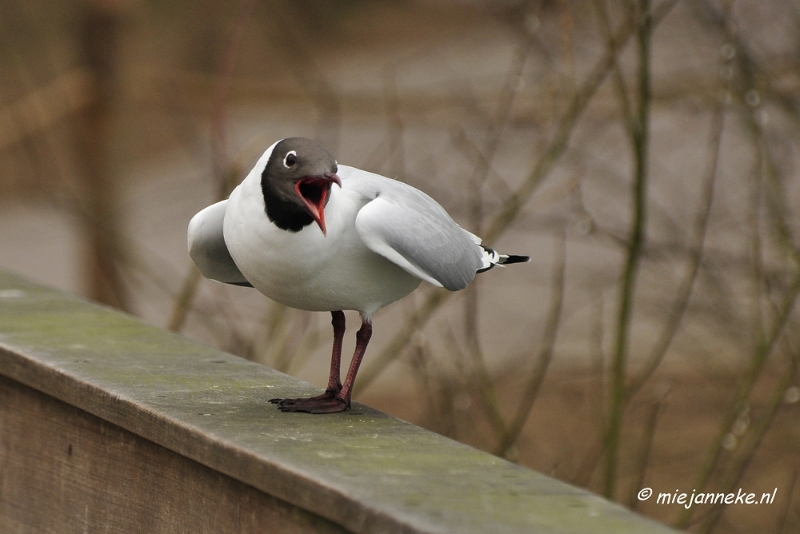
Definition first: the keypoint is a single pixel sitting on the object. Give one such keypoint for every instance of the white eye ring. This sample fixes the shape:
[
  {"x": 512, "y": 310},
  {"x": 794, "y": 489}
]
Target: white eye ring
[{"x": 290, "y": 159}]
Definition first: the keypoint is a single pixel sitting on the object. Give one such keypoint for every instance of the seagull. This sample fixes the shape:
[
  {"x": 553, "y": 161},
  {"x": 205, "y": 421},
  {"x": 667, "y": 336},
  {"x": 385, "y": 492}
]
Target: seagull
[{"x": 315, "y": 235}]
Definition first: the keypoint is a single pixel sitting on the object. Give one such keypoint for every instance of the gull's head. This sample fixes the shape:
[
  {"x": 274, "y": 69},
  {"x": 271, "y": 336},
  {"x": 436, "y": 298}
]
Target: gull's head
[{"x": 296, "y": 183}]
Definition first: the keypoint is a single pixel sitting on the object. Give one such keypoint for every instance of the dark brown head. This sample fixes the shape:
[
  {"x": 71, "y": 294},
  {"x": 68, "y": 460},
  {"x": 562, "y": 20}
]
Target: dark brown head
[{"x": 296, "y": 183}]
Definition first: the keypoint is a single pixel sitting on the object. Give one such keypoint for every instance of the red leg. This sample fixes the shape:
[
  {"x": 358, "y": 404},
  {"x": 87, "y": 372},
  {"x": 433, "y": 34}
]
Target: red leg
[
  {"x": 341, "y": 401},
  {"x": 362, "y": 340},
  {"x": 334, "y": 382}
]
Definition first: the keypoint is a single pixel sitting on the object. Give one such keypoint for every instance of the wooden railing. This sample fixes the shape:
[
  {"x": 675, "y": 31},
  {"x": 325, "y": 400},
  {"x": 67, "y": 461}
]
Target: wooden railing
[{"x": 110, "y": 425}]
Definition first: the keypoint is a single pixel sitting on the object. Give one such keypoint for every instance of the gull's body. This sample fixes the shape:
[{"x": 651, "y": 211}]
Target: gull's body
[
  {"x": 309, "y": 270},
  {"x": 375, "y": 240}
]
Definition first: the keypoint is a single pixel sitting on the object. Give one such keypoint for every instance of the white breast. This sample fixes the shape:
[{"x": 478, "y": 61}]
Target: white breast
[{"x": 306, "y": 269}]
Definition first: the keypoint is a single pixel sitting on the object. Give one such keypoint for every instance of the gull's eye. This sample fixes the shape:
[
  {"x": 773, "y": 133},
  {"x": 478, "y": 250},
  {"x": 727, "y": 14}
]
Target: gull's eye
[{"x": 290, "y": 159}]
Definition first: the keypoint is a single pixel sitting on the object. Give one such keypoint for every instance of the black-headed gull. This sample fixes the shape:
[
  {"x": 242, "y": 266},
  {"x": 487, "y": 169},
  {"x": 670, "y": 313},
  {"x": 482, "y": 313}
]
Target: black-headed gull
[{"x": 374, "y": 241}]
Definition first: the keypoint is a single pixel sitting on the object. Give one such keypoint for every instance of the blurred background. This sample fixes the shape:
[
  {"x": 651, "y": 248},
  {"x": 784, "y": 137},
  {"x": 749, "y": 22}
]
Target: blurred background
[{"x": 643, "y": 152}]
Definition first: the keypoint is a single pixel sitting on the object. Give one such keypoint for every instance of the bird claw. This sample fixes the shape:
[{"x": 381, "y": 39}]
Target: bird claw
[
  {"x": 328, "y": 402},
  {"x": 319, "y": 404}
]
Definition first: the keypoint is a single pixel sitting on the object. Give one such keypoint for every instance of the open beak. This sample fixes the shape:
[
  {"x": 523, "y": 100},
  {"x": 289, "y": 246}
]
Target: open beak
[{"x": 315, "y": 191}]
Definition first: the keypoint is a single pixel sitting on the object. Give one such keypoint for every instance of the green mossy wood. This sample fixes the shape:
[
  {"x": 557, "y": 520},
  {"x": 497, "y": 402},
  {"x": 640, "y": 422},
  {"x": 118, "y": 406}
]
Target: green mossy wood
[{"x": 362, "y": 470}]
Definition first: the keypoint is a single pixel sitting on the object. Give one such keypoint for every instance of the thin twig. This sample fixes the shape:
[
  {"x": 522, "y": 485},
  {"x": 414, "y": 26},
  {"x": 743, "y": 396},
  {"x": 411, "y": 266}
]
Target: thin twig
[
  {"x": 480, "y": 381},
  {"x": 756, "y": 434},
  {"x": 769, "y": 336},
  {"x": 545, "y": 354},
  {"x": 394, "y": 122},
  {"x": 423, "y": 313},
  {"x": 184, "y": 299},
  {"x": 219, "y": 117},
  {"x": 510, "y": 208},
  {"x": 560, "y": 141},
  {"x": 643, "y": 458},
  {"x": 224, "y": 173},
  {"x": 310, "y": 78},
  {"x": 471, "y": 152},
  {"x": 478, "y": 180},
  {"x": 758, "y": 360},
  {"x": 619, "y": 81},
  {"x": 640, "y": 145},
  {"x": 684, "y": 291},
  {"x": 779, "y": 528}
]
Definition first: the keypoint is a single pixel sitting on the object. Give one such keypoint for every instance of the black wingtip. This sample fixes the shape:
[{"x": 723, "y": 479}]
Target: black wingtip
[{"x": 513, "y": 258}]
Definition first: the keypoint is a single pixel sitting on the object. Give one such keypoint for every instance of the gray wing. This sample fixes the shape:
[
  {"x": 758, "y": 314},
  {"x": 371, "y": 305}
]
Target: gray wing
[
  {"x": 412, "y": 230},
  {"x": 207, "y": 246}
]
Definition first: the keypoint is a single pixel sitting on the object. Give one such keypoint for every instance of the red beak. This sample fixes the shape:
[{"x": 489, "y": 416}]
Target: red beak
[{"x": 314, "y": 191}]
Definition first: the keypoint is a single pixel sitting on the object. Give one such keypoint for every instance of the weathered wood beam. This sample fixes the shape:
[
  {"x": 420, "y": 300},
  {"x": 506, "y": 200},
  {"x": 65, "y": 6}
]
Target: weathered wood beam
[{"x": 109, "y": 424}]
